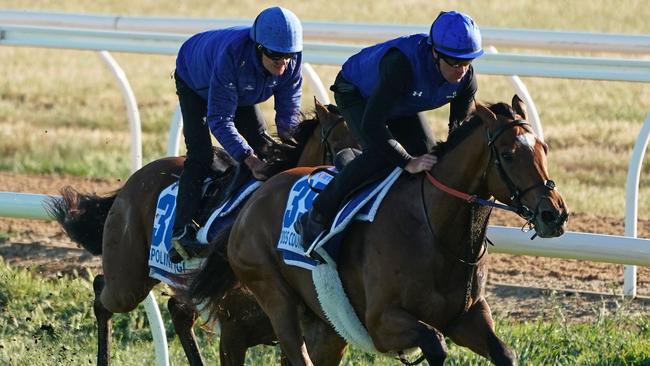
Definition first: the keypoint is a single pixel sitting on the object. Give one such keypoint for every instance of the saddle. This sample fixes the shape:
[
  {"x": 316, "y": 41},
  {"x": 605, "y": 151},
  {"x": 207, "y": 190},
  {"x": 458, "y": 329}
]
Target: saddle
[{"x": 223, "y": 181}]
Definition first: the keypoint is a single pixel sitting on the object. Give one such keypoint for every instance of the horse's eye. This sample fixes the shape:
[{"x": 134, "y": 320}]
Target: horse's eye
[{"x": 508, "y": 156}]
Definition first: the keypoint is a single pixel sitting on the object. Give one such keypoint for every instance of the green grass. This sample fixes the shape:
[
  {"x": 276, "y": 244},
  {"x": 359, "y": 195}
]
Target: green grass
[{"x": 51, "y": 322}]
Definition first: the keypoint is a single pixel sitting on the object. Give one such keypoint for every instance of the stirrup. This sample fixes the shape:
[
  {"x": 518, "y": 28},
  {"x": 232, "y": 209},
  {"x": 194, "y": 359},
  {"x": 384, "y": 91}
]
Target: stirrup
[
  {"x": 310, "y": 251},
  {"x": 306, "y": 224},
  {"x": 182, "y": 244},
  {"x": 177, "y": 253}
]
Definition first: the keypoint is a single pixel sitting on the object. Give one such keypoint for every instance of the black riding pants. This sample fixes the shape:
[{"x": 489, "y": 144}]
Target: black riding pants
[
  {"x": 411, "y": 132},
  {"x": 250, "y": 123}
]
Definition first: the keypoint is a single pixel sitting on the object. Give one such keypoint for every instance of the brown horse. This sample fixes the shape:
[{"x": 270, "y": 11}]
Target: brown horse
[
  {"x": 417, "y": 273},
  {"x": 119, "y": 228}
]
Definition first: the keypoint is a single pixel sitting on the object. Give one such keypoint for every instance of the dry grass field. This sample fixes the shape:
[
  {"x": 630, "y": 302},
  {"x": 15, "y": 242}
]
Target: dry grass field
[
  {"x": 63, "y": 121},
  {"x": 61, "y": 112}
]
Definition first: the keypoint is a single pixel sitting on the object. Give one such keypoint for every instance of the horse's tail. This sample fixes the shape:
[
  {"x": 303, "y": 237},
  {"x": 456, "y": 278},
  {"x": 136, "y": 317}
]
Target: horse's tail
[
  {"x": 215, "y": 278},
  {"x": 82, "y": 216}
]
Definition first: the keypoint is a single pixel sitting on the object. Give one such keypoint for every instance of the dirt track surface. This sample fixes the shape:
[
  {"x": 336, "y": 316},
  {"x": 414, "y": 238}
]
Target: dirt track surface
[{"x": 519, "y": 286}]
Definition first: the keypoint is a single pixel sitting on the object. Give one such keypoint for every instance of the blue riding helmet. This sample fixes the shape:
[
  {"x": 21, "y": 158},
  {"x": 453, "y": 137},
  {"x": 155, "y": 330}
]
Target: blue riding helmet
[
  {"x": 455, "y": 34},
  {"x": 278, "y": 30}
]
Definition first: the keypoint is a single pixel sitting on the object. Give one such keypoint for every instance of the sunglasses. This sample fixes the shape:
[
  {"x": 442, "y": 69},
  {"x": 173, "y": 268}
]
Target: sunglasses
[
  {"x": 456, "y": 62},
  {"x": 276, "y": 56}
]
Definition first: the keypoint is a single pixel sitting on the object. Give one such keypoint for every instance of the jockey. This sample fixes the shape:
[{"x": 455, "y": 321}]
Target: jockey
[
  {"x": 380, "y": 91},
  {"x": 221, "y": 76}
]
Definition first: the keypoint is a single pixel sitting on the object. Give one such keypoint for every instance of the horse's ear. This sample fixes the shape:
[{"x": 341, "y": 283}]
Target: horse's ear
[
  {"x": 519, "y": 106},
  {"x": 484, "y": 112},
  {"x": 321, "y": 111}
]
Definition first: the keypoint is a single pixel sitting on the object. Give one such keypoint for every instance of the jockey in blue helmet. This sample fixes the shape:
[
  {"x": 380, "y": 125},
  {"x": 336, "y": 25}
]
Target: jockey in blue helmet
[
  {"x": 278, "y": 29},
  {"x": 221, "y": 77},
  {"x": 456, "y": 35},
  {"x": 380, "y": 92}
]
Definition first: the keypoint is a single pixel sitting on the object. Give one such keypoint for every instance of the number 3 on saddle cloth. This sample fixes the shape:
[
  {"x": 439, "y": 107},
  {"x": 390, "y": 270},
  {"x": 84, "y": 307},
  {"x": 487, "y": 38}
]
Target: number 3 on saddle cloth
[
  {"x": 362, "y": 207},
  {"x": 160, "y": 266}
]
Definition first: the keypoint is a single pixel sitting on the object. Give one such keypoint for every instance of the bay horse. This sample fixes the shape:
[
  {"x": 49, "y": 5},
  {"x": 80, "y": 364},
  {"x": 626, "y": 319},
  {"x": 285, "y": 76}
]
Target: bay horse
[
  {"x": 416, "y": 274},
  {"x": 119, "y": 227}
]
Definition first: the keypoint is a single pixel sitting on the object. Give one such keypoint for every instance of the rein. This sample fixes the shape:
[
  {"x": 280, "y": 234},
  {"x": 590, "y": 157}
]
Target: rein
[
  {"x": 515, "y": 193},
  {"x": 328, "y": 152},
  {"x": 469, "y": 198}
]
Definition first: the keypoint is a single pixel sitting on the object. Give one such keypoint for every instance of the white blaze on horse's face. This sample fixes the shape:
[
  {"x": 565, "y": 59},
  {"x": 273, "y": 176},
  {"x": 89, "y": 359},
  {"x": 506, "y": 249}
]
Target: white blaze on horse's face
[{"x": 527, "y": 139}]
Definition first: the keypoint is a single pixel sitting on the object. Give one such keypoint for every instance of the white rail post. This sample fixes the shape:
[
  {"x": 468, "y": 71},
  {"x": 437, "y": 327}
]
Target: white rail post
[
  {"x": 175, "y": 130},
  {"x": 132, "y": 109},
  {"x": 632, "y": 200},
  {"x": 522, "y": 91},
  {"x": 314, "y": 80},
  {"x": 151, "y": 307}
]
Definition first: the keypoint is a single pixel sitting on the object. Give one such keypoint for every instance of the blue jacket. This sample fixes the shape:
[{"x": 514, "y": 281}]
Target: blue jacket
[
  {"x": 430, "y": 89},
  {"x": 223, "y": 67}
]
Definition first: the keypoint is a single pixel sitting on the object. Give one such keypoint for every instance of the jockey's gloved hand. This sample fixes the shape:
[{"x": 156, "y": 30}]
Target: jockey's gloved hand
[
  {"x": 421, "y": 163},
  {"x": 257, "y": 166},
  {"x": 286, "y": 135}
]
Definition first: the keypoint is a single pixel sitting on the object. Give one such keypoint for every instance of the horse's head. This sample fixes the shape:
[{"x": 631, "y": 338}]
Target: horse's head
[
  {"x": 517, "y": 174},
  {"x": 315, "y": 141},
  {"x": 331, "y": 136}
]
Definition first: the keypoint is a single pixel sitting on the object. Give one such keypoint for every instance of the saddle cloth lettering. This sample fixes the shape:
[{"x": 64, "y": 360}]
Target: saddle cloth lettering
[
  {"x": 160, "y": 266},
  {"x": 362, "y": 206}
]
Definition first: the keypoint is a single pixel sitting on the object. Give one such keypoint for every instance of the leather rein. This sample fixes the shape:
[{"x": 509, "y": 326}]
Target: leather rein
[
  {"x": 516, "y": 194},
  {"x": 328, "y": 152}
]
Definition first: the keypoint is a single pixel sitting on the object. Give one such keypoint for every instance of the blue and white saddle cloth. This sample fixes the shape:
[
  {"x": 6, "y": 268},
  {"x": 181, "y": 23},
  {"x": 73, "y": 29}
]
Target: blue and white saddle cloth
[
  {"x": 363, "y": 207},
  {"x": 160, "y": 267}
]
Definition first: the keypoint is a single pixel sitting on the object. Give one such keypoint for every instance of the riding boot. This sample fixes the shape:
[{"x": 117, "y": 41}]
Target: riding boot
[
  {"x": 327, "y": 203},
  {"x": 241, "y": 175},
  {"x": 309, "y": 225}
]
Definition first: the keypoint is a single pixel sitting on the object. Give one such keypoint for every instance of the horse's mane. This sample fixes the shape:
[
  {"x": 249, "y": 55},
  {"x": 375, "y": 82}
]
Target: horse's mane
[
  {"x": 308, "y": 124},
  {"x": 287, "y": 158},
  {"x": 306, "y": 127},
  {"x": 457, "y": 135}
]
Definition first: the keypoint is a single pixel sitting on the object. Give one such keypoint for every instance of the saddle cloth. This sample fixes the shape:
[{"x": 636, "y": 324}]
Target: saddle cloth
[
  {"x": 160, "y": 267},
  {"x": 362, "y": 207}
]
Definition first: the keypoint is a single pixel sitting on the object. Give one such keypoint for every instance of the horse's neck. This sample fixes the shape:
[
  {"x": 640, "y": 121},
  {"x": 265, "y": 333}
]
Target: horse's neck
[
  {"x": 461, "y": 169},
  {"x": 313, "y": 151}
]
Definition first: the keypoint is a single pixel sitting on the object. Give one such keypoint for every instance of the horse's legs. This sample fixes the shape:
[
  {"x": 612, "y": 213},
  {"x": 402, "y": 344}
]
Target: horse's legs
[
  {"x": 232, "y": 343},
  {"x": 278, "y": 301},
  {"x": 475, "y": 330},
  {"x": 183, "y": 318},
  {"x": 394, "y": 329},
  {"x": 103, "y": 324},
  {"x": 124, "y": 259},
  {"x": 324, "y": 345}
]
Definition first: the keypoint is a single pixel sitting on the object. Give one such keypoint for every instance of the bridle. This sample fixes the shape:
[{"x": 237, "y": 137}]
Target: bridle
[
  {"x": 328, "y": 151},
  {"x": 516, "y": 194}
]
